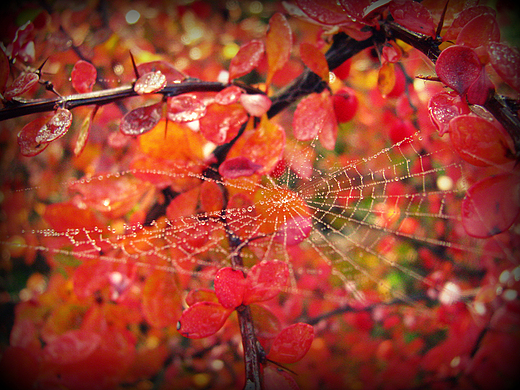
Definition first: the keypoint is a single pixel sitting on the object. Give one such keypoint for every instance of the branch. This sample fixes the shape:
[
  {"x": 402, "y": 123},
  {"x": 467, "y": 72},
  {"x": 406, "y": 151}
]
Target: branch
[
  {"x": 496, "y": 104},
  {"x": 343, "y": 47}
]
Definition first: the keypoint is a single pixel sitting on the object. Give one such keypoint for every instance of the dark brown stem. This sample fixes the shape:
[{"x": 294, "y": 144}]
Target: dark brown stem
[
  {"x": 253, "y": 352},
  {"x": 254, "y": 380}
]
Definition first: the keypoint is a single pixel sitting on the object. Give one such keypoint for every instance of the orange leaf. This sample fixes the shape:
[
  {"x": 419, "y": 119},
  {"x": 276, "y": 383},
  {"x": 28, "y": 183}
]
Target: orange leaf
[
  {"x": 278, "y": 44},
  {"x": 315, "y": 60},
  {"x": 386, "y": 78},
  {"x": 161, "y": 299},
  {"x": 173, "y": 142},
  {"x": 263, "y": 146}
]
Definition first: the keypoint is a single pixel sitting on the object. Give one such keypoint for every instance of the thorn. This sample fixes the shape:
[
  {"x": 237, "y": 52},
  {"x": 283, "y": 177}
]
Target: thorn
[
  {"x": 39, "y": 70},
  {"x": 135, "y": 66},
  {"x": 441, "y": 21}
]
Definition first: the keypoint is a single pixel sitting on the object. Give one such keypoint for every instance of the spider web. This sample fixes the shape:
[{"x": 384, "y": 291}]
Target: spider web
[{"x": 360, "y": 239}]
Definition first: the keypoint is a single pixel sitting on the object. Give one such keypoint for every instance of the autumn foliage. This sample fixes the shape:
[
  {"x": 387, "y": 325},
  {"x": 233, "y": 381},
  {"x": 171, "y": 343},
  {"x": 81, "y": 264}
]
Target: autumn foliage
[{"x": 261, "y": 195}]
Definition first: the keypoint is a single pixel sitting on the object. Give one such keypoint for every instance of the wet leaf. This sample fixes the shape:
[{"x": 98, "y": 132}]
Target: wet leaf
[
  {"x": 171, "y": 74},
  {"x": 458, "y": 67},
  {"x": 202, "y": 319},
  {"x": 248, "y": 57},
  {"x": 229, "y": 95},
  {"x": 265, "y": 281},
  {"x": 229, "y": 287},
  {"x": 479, "y": 31},
  {"x": 443, "y": 107},
  {"x": 27, "y": 137},
  {"x": 141, "y": 120},
  {"x": 21, "y": 84},
  {"x": 315, "y": 115},
  {"x": 56, "y": 127},
  {"x": 491, "y": 205},
  {"x": 185, "y": 108},
  {"x": 150, "y": 82},
  {"x": 222, "y": 122},
  {"x": 413, "y": 15},
  {"x": 506, "y": 62},
  {"x": 463, "y": 18},
  {"x": 328, "y": 12},
  {"x": 255, "y": 104},
  {"x": 83, "y": 76}
]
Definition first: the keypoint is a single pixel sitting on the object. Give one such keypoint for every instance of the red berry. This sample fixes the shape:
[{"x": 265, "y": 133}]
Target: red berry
[{"x": 345, "y": 104}]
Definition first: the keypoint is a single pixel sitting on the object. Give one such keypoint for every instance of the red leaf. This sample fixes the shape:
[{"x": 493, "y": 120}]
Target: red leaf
[
  {"x": 463, "y": 18},
  {"x": 222, "y": 123},
  {"x": 327, "y": 12},
  {"x": 481, "y": 89},
  {"x": 185, "y": 108},
  {"x": 265, "y": 280},
  {"x": 172, "y": 75},
  {"x": 315, "y": 60},
  {"x": 83, "y": 76},
  {"x": 255, "y": 104},
  {"x": 315, "y": 115},
  {"x": 248, "y": 57},
  {"x": 202, "y": 319},
  {"x": 479, "y": 31},
  {"x": 458, "y": 67},
  {"x": 238, "y": 167},
  {"x": 141, "y": 120},
  {"x": 229, "y": 287},
  {"x": 480, "y": 141},
  {"x": 278, "y": 44},
  {"x": 506, "y": 62},
  {"x": 292, "y": 343},
  {"x": 27, "y": 137},
  {"x": 445, "y": 106},
  {"x": 56, "y": 127},
  {"x": 276, "y": 378},
  {"x": 21, "y": 84},
  {"x": 150, "y": 82},
  {"x": 412, "y": 15},
  {"x": 228, "y": 95},
  {"x": 491, "y": 205}
]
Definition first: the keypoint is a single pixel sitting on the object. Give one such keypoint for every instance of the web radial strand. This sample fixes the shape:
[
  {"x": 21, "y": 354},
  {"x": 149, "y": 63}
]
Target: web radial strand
[{"x": 356, "y": 209}]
